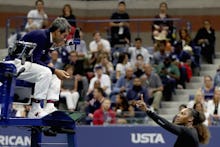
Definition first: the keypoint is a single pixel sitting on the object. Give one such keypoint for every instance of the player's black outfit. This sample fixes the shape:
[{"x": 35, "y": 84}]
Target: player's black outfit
[{"x": 186, "y": 137}]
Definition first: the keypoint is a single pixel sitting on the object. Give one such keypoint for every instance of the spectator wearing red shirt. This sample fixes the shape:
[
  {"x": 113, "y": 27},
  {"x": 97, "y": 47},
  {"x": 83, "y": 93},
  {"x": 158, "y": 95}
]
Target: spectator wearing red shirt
[{"x": 105, "y": 115}]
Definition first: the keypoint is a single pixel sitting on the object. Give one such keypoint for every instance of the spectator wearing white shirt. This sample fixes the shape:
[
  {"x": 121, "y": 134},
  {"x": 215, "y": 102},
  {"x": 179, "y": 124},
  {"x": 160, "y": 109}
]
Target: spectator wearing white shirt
[
  {"x": 99, "y": 44},
  {"x": 139, "y": 49},
  {"x": 198, "y": 98},
  {"x": 214, "y": 107},
  {"x": 37, "y": 18},
  {"x": 103, "y": 78},
  {"x": 104, "y": 61},
  {"x": 122, "y": 64},
  {"x": 96, "y": 47}
]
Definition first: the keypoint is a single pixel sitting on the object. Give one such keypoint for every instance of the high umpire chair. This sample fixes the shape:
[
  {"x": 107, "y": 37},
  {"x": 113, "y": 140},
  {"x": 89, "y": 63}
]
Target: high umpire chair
[{"x": 50, "y": 125}]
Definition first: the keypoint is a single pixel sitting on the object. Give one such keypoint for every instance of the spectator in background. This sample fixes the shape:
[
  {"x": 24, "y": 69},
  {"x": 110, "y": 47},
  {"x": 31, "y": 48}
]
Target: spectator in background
[
  {"x": 153, "y": 83},
  {"x": 95, "y": 103},
  {"x": 80, "y": 48},
  {"x": 104, "y": 115},
  {"x": 185, "y": 38},
  {"x": 103, "y": 78},
  {"x": 185, "y": 72},
  {"x": 136, "y": 93},
  {"x": 187, "y": 49},
  {"x": 78, "y": 64},
  {"x": 89, "y": 98},
  {"x": 124, "y": 111},
  {"x": 208, "y": 88},
  {"x": 55, "y": 60},
  {"x": 162, "y": 25},
  {"x": 90, "y": 95},
  {"x": 123, "y": 63},
  {"x": 139, "y": 65},
  {"x": 120, "y": 33},
  {"x": 96, "y": 47},
  {"x": 104, "y": 61},
  {"x": 99, "y": 44},
  {"x": 180, "y": 80},
  {"x": 169, "y": 74},
  {"x": 68, "y": 14},
  {"x": 198, "y": 98},
  {"x": 163, "y": 38},
  {"x": 217, "y": 77},
  {"x": 205, "y": 38},
  {"x": 37, "y": 18},
  {"x": 79, "y": 72},
  {"x": 69, "y": 89},
  {"x": 160, "y": 52},
  {"x": 139, "y": 49},
  {"x": 214, "y": 107},
  {"x": 123, "y": 84}
]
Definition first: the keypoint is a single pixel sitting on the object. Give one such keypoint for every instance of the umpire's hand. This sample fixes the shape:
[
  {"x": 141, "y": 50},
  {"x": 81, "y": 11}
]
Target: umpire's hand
[{"x": 61, "y": 74}]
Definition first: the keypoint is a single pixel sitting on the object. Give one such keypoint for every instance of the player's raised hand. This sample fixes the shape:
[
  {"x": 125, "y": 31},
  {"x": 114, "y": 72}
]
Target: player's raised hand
[{"x": 141, "y": 104}]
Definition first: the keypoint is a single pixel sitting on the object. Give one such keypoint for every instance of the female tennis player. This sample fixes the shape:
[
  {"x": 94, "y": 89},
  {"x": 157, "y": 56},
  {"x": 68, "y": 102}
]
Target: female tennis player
[{"x": 188, "y": 126}]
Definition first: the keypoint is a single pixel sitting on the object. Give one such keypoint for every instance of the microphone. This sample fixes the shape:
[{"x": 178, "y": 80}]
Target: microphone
[
  {"x": 70, "y": 43},
  {"x": 76, "y": 40},
  {"x": 73, "y": 42}
]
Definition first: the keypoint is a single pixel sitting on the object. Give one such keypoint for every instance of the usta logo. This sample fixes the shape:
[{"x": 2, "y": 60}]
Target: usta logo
[{"x": 146, "y": 138}]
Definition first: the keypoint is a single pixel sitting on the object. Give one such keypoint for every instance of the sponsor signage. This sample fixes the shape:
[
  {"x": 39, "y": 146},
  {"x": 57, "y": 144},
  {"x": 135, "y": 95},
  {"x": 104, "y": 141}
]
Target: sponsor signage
[
  {"x": 132, "y": 136},
  {"x": 102, "y": 136},
  {"x": 15, "y": 140},
  {"x": 153, "y": 138},
  {"x": 123, "y": 136},
  {"x": 21, "y": 137}
]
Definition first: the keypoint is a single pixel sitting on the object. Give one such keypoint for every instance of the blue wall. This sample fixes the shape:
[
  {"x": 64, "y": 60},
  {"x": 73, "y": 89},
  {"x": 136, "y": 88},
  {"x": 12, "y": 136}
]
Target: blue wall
[
  {"x": 133, "y": 136},
  {"x": 104, "y": 136}
]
